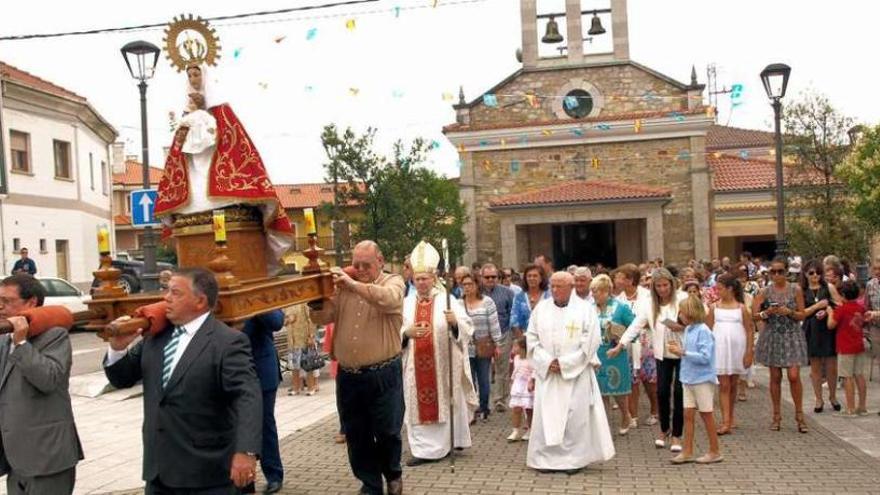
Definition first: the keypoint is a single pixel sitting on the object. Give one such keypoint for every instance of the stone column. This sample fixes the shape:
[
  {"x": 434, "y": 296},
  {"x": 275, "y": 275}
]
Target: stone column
[
  {"x": 529, "y": 16},
  {"x": 509, "y": 245},
  {"x": 701, "y": 205},
  {"x": 575, "y": 34},
  {"x": 620, "y": 30},
  {"x": 467, "y": 194},
  {"x": 654, "y": 232}
]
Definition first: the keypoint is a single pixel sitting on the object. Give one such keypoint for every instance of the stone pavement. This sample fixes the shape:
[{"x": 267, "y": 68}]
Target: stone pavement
[{"x": 756, "y": 459}]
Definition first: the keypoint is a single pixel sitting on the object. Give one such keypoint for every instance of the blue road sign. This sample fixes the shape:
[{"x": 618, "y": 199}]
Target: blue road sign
[{"x": 143, "y": 207}]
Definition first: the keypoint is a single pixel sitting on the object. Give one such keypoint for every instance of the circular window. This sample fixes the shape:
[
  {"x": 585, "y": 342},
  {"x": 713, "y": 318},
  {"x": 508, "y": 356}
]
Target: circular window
[{"x": 577, "y": 104}]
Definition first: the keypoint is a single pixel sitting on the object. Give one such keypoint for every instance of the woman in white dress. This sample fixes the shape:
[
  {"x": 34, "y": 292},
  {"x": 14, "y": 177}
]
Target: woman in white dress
[{"x": 734, "y": 329}]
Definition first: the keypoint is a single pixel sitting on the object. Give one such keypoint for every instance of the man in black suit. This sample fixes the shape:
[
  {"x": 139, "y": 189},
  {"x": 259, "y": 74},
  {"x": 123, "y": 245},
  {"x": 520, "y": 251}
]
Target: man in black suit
[
  {"x": 39, "y": 446},
  {"x": 259, "y": 330},
  {"x": 202, "y": 401}
]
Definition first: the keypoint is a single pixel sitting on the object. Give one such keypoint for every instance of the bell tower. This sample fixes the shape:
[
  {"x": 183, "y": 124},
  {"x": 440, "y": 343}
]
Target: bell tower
[{"x": 576, "y": 45}]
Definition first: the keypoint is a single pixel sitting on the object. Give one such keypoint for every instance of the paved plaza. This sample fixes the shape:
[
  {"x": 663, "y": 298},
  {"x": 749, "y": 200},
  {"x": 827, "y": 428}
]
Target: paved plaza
[{"x": 756, "y": 459}]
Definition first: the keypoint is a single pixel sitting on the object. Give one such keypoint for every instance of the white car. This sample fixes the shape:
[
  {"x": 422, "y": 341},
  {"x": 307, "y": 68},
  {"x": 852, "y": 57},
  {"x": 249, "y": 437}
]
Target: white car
[{"x": 60, "y": 292}]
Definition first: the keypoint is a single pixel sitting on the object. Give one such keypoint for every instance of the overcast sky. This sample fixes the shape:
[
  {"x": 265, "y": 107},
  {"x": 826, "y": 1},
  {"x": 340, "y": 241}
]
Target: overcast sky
[{"x": 286, "y": 90}]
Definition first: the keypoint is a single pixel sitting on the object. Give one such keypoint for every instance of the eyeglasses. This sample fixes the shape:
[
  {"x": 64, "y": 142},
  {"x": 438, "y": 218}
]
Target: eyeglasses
[
  {"x": 777, "y": 271},
  {"x": 361, "y": 265},
  {"x": 490, "y": 276},
  {"x": 812, "y": 273},
  {"x": 6, "y": 301}
]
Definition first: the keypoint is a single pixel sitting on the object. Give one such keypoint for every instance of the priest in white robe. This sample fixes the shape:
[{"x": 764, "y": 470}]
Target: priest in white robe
[
  {"x": 427, "y": 328},
  {"x": 569, "y": 428}
]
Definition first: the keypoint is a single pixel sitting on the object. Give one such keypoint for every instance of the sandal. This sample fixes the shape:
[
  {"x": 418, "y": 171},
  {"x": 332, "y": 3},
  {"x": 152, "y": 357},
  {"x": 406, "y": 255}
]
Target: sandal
[
  {"x": 818, "y": 409},
  {"x": 775, "y": 425},
  {"x": 801, "y": 425},
  {"x": 724, "y": 430}
]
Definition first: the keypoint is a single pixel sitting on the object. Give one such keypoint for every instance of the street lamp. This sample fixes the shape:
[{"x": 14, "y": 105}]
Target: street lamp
[
  {"x": 775, "y": 79},
  {"x": 141, "y": 58}
]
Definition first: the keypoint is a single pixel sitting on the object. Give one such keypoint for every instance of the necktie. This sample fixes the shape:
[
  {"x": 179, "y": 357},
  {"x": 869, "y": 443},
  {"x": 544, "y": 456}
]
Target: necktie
[{"x": 170, "y": 351}]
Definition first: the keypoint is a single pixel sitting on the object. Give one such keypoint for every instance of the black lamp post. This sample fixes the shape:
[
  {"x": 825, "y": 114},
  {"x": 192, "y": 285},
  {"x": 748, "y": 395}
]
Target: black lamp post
[
  {"x": 862, "y": 266},
  {"x": 141, "y": 58},
  {"x": 775, "y": 79}
]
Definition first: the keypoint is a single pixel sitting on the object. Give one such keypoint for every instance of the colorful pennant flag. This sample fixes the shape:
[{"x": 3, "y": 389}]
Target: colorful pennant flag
[
  {"x": 448, "y": 97},
  {"x": 354, "y": 91},
  {"x": 350, "y": 25},
  {"x": 736, "y": 94},
  {"x": 514, "y": 166},
  {"x": 532, "y": 99},
  {"x": 595, "y": 163},
  {"x": 744, "y": 154},
  {"x": 490, "y": 100},
  {"x": 637, "y": 126},
  {"x": 311, "y": 33},
  {"x": 603, "y": 127}
]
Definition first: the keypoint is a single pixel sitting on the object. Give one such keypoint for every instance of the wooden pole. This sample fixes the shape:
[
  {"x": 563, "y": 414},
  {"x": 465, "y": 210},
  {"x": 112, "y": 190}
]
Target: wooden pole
[{"x": 445, "y": 247}]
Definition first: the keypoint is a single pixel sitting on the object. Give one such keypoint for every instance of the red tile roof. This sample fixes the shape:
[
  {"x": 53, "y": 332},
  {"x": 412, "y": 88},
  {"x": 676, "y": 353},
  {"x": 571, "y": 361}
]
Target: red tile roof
[
  {"x": 732, "y": 173},
  {"x": 295, "y": 196},
  {"x": 121, "y": 220},
  {"x": 14, "y": 74},
  {"x": 579, "y": 192},
  {"x": 133, "y": 175},
  {"x": 539, "y": 123},
  {"x": 722, "y": 137}
]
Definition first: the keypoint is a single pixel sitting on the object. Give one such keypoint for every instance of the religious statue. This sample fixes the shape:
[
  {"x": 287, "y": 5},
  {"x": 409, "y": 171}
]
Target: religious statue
[{"x": 212, "y": 162}]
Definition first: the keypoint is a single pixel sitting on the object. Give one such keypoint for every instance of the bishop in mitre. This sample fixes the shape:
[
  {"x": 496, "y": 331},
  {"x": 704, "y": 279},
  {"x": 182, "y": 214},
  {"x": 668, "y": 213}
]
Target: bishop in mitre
[
  {"x": 427, "y": 327},
  {"x": 569, "y": 426}
]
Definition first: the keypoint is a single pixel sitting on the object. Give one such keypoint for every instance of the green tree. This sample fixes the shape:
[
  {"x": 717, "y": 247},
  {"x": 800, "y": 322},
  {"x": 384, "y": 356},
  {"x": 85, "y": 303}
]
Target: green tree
[
  {"x": 403, "y": 202},
  {"x": 861, "y": 172},
  {"x": 820, "y": 215}
]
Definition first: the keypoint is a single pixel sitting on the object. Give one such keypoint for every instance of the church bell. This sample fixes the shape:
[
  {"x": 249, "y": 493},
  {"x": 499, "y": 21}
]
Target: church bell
[
  {"x": 552, "y": 35},
  {"x": 596, "y": 26}
]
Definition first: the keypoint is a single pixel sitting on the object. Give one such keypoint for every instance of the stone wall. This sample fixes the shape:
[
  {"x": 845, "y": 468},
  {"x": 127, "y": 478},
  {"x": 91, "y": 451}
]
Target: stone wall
[
  {"x": 544, "y": 167},
  {"x": 621, "y": 86}
]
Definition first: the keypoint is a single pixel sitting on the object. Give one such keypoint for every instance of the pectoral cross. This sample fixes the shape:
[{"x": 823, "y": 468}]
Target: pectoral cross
[{"x": 572, "y": 329}]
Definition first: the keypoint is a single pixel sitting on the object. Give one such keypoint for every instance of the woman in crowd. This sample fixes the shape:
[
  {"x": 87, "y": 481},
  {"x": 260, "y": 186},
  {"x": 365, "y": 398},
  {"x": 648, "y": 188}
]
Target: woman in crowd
[
  {"x": 638, "y": 298},
  {"x": 662, "y": 318},
  {"x": 534, "y": 289},
  {"x": 614, "y": 374},
  {"x": 820, "y": 339},
  {"x": 300, "y": 337},
  {"x": 733, "y": 329},
  {"x": 750, "y": 288},
  {"x": 781, "y": 343},
  {"x": 484, "y": 343}
]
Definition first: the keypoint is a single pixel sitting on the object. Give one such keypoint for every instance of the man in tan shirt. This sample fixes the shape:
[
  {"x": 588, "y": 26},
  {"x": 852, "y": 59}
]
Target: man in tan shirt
[{"x": 367, "y": 312}]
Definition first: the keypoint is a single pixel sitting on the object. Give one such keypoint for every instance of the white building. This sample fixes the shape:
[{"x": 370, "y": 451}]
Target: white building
[{"x": 55, "y": 188}]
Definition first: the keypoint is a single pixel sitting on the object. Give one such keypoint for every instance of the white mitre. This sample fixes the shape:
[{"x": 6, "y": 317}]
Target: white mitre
[{"x": 424, "y": 258}]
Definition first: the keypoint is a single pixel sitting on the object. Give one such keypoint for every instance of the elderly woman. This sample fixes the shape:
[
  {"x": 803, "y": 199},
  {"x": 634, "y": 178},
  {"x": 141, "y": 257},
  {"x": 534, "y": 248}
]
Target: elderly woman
[
  {"x": 535, "y": 288},
  {"x": 582, "y": 279},
  {"x": 614, "y": 375}
]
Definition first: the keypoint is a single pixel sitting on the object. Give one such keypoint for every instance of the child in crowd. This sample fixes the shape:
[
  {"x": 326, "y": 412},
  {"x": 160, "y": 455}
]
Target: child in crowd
[
  {"x": 698, "y": 379},
  {"x": 853, "y": 358},
  {"x": 522, "y": 392}
]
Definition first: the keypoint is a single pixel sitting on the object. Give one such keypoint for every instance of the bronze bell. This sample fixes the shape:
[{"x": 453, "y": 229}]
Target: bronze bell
[
  {"x": 596, "y": 26},
  {"x": 552, "y": 35}
]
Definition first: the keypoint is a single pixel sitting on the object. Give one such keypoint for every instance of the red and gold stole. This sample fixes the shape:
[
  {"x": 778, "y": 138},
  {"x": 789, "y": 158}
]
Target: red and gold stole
[{"x": 426, "y": 366}]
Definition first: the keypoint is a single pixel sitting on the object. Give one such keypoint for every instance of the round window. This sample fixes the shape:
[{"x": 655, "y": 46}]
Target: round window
[{"x": 577, "y": 104}]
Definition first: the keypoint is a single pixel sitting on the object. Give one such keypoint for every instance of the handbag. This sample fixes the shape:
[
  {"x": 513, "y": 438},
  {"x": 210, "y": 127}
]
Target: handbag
[
  {"x": 311, "y": 359},
  {"x": 485, "y": 347}
]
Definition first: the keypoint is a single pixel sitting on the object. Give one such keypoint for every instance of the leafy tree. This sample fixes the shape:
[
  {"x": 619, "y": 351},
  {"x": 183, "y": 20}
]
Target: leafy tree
[
  {"x": 861, "y": 172},
  {"x": 403, "y": 202},
  {"x": 820, "y": 215}
]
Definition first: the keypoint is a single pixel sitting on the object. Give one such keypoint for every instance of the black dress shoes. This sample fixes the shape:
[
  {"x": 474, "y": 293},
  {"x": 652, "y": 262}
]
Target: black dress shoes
[
  {"x": 273, "y": 487},
  {"x": 418, "y": 461}
]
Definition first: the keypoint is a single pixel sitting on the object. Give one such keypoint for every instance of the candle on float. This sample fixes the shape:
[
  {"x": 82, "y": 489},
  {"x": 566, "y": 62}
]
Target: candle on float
[
  {"x": 309, "y": 218},
  {"x": 103, "y": 240},
  {"x": 219, "y": 226}
]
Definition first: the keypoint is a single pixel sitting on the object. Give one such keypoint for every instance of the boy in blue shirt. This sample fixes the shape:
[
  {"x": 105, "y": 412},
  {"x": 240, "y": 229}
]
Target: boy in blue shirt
[{"x": 698, "y": 379}]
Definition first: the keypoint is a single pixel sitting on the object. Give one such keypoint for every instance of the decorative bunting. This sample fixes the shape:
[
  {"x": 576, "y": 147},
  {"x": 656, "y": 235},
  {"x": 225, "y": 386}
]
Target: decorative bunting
[
  {"x": 503, "y": 142},
  {"x": 637, "y": 126},
  {"x": 350, "y": 25},
  {"x": 595, "y": 163},
  {"x": 397, "y": 93},
  {"x": 435, "y": 144},
  {"x": 311, "y": 33},
  {"x": 736, "y": 94},
  {"x": 677, "y": 116},
  {"x": 354, "y": 91},
  {"x": 532, "y": 99},
  {"x": 309, "y": 89},
  {"x": 547, "y": 132},
  {"x": 263, "y": 85},
  {"x": 279, "y": 39},
  {"x": 396, "y": 11},
  {"x": 744, "y": 154},
  {"x": 484, "y": 143},
  {"x": 514, "y": 166},
  {"x": 237, "y": 52},
  {"x": 684, "y": 155},
  {"x": 603, "y": 127},
  {"x": 577, "y": 132},
  {"x": 490, "y": 100},
  {"x": 448, "y": 97}
]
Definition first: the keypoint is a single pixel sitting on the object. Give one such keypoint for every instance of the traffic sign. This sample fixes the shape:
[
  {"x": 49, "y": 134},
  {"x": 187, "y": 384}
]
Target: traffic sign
[{"x": 143, "y": 207}]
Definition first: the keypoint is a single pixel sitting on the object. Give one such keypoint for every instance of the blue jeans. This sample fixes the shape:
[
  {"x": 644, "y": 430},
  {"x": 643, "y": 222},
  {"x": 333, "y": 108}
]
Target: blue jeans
[{"x": 480, "y": 371}]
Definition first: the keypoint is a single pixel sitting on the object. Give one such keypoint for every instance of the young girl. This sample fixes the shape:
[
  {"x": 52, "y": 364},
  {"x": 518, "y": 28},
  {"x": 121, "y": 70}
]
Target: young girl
[
  {"x": 698, "y": 379},
  {"x": 522, "y": 392}
]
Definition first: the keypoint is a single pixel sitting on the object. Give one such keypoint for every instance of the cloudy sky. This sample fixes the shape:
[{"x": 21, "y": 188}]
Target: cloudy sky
[{"x": 286, "y": 87}]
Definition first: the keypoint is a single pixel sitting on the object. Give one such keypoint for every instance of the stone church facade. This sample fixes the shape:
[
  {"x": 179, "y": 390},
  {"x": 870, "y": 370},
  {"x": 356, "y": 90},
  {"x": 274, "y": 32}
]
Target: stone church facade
[{"x": 619, "y": 176}]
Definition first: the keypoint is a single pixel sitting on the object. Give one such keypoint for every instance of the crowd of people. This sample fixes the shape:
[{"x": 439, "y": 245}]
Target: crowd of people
[{"x": 557, "y": 350}]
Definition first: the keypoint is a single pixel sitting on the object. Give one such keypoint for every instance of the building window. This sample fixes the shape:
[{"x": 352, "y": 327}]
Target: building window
[
  {"x": 578, "y": 104},
  {"x": 104, "y": 178},
  {"x": 16, "y": 245},
  {"x": 20, "y": 147},
  {"x": 92, "y": 171},
  {"x": 43, "y": 248},
  {"x": 62, "y": 159}
]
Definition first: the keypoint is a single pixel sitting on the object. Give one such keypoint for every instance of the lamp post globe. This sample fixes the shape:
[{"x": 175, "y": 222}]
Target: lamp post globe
[{"x": 141, "y": 58}]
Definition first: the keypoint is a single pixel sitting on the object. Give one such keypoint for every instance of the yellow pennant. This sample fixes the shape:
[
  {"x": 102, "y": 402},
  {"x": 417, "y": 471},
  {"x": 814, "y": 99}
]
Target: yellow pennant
[
  {"x": 637, "y": 126},
  {"x": 547, "y": 132},
  {"x": 350, "y": 25},
  {"x": 533, "y": 100},
  {"x": 595, "y": 163},
  {"x": 447, "y": 97}
]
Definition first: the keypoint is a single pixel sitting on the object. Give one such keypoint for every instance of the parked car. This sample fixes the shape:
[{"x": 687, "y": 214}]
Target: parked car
[
  {"x": 60, "y": 292},
  {"x": 131, "y": 273}
]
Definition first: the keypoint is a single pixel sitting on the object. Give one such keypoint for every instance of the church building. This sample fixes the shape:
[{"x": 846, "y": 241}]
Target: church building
[{"x": 588, "y": 156}]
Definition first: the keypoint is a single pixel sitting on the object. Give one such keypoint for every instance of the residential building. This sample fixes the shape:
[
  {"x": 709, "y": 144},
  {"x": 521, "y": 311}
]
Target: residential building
[
  {"x": 128, "y": 177},
  {"x": 56, "y": 176}
]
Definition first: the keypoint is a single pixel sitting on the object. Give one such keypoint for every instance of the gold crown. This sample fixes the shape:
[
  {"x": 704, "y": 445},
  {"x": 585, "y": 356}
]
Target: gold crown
[{"x": 191, "y": 51}]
